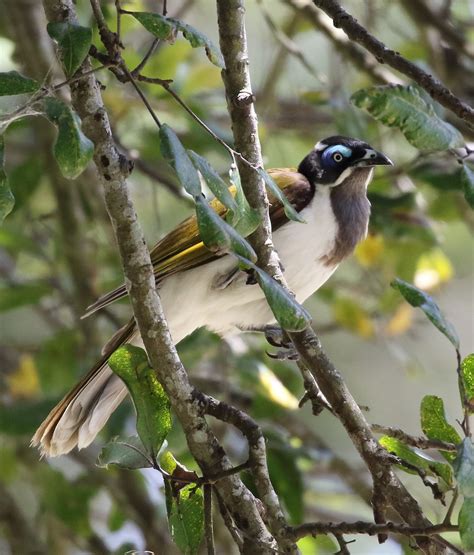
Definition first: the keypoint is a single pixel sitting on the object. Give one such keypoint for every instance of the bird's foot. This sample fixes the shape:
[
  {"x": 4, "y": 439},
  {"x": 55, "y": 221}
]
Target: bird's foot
[{"x": 279, "y": 338}]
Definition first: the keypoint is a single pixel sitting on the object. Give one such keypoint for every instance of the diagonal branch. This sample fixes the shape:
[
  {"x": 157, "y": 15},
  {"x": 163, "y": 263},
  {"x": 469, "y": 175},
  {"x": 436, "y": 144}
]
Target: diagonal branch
[
  {"x": 113, "y": 171},
  {"x": 388, "y": 490},
  {"x": 360, "y": 527},
  {"x": 357, "y": 33}
]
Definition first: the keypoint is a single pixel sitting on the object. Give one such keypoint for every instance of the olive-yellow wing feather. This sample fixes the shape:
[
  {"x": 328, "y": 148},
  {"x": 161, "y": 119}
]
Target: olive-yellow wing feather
[{"x": 182, "y": 249}]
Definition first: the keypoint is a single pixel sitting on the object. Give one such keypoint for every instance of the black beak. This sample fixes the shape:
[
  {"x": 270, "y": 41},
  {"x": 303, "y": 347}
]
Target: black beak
[{"x": 374, "y": 158}]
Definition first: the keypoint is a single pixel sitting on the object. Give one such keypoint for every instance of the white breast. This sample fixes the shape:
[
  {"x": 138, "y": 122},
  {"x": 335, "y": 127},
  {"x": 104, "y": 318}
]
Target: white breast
[{"x": 302, "y": 246}]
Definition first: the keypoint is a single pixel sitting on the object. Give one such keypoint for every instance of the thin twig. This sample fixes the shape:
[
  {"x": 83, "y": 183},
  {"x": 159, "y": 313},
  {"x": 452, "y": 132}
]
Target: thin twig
[
  {"x": 449, "y": 512},
  {"x": 147, "y": 56},
  {"x": 368, "y": 528},
  {"x": 414, "y": 441},
  {"x": 229, "y": 523},
  {"x": 289, "y": 45},
  {"x": 45, "y": 91},
  {"x": 343, "y": 549},
  {"x": 208, "y": 522},
  {"x": 140, "y": 93},
  {"x": 119, "y": 20}
]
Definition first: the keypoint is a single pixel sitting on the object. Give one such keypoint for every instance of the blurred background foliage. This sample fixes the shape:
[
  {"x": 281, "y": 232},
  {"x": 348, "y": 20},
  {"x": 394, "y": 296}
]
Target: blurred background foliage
[{"x": 57, "y": 254}]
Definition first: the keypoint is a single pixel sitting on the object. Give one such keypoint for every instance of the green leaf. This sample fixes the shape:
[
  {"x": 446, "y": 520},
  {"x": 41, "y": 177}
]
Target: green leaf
[
  {"x": 246, "y": 219},
  {"x": 288, "y": 312},
  {"x": 464, "y": 467},
  {"x": 219, "y": 236},
  {"x": 16, "y": 296},
  {"x": 166, "y": 28},
  {"x": 175, "y": 154},
  {"x": 215, "y": 182},
  {"x": 126, "y": 452},
  {"x": 408, "y": 455},
  {"x": 403, "y": 107},
  {"x": 467, "y": 376},
  {"x": 130, "y": 363},
  {"x": 467, "y": 181},
  {"x": 434, "y": 424},
  {"x": 184, "y": 505},
  {"x": 186, "y": 519},
  {"x": 420, "y": 299},
  {"x": 290, "y": 212},
  {"x": 72, "y": 149},
  {"x": 197, "y": 39},
  {"x": 466, "y": 523},
  {"x": 73, "y": 41},
  {"x": 7, "y": 200},
  {"x": 12, "y": 82},
  {"x": 156, "y": 24}
]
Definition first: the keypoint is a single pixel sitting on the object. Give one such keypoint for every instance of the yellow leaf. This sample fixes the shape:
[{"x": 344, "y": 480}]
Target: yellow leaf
[
  {"x": 24, "y": 382},
  {"x": 352, "y": 316},
  {"x": 433, "y": 269},
  {"x": 400, "y": 321},
  {"x": 275, "y": 389},
  {"x": 370, "y": 250}
]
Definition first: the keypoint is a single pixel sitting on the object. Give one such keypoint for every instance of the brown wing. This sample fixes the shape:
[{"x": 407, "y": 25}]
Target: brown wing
[{"x": 182, "y": 249}]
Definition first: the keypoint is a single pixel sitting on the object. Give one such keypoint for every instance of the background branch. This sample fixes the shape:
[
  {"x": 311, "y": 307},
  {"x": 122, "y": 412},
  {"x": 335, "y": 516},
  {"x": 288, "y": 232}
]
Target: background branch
[{"x": 357, "y": 33}]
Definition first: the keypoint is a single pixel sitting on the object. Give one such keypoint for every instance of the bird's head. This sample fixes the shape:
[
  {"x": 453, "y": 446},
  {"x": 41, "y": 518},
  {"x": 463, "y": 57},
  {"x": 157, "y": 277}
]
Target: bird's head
[{"x": 335, "y": 159}]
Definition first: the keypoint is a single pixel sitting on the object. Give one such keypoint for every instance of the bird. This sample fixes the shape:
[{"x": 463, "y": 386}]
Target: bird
[{"x": 200, "y": 288}]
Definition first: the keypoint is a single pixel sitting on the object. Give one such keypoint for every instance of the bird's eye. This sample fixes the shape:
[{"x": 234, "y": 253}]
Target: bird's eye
[{"x": 337, "y": 157}]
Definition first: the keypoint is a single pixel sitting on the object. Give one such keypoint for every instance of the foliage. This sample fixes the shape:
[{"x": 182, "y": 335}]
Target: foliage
[
  {"x": 54, "y": 230},
  {"x": 73, "y": 41},
  {"x": 405, "y": 109}
]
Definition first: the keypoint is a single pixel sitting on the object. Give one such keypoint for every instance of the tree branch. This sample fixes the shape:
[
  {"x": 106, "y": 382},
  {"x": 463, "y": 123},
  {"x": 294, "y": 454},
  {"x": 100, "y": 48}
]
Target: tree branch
[
  {"x": 357, "y": 33},
  {"x": 240, "y": 103},
  {"x": 387, "y": 488},
  {"x": 258, "y": 464},
  {"x": 113, "y": 172},
  {"x": 244, "y": 125},
  {"x": 369, "y": 528}
]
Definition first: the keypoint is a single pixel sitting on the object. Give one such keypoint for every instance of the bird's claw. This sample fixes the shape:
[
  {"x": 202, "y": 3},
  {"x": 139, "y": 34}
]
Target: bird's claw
[
  {"x": 277, "y": 337},
  {"x": 288, "y": 353}
]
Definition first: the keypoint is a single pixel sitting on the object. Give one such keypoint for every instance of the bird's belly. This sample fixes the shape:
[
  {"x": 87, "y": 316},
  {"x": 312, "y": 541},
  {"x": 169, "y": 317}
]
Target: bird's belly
[{"x": 193, "y": 299}]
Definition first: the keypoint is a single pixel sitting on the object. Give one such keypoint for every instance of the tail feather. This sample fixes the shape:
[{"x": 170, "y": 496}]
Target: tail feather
[{"x": 79, "y": 417}]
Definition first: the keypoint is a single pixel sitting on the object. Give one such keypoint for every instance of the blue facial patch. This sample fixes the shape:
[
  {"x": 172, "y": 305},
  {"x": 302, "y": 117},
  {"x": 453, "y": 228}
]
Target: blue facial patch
[{"x": 328, "y": 156}]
